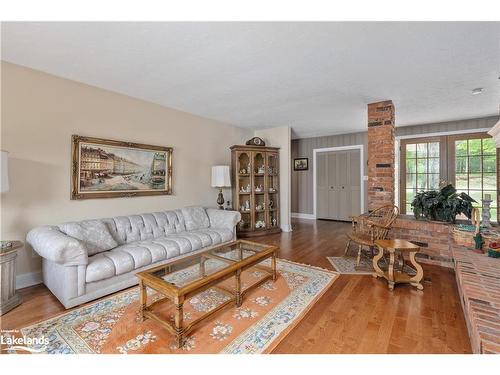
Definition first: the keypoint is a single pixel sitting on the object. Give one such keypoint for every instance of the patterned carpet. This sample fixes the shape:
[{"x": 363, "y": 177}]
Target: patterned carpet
[
  {"x": 347, "y": 265},
  {"x": 267, "y": 314}
]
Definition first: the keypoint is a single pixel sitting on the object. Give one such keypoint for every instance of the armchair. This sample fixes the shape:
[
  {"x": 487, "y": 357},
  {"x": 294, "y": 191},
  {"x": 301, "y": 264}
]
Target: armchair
[{"x": 368, "y": 228}]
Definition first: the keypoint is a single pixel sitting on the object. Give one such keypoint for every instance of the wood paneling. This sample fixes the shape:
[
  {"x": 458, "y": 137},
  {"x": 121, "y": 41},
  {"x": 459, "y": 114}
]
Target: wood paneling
[{"x": 302, "y": 181}]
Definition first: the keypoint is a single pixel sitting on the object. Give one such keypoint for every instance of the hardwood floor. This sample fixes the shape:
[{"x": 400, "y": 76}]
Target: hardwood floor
[{"x": 358, "y": 314}]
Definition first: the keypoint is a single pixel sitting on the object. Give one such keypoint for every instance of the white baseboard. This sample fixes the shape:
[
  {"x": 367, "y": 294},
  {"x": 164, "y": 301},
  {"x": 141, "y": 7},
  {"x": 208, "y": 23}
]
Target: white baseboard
[
  {"x": 28, "y": 279},
  {"x": 286, "y": 228},
  {"x": 299, "y": 215}
]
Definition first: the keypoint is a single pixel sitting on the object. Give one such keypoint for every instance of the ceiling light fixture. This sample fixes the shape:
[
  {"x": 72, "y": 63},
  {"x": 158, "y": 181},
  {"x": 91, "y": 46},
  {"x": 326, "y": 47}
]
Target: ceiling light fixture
[{"x": 477, "y": 91}]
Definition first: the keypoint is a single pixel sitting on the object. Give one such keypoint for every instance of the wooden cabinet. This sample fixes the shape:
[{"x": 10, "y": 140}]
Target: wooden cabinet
[{"x": 255, "y": 181}]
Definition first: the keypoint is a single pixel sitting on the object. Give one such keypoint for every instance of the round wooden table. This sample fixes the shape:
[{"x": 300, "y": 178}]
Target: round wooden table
[{"x": 398, "y": 276}]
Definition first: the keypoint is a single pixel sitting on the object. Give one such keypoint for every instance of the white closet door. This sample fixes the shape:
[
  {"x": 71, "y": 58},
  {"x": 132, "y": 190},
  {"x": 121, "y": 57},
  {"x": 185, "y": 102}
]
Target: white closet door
[
  {"x": 338, "y": 185},
  {"x": 322, "y": 187}
]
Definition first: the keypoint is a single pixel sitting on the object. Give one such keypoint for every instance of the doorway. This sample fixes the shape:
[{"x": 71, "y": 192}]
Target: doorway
[{"x": 338, "y": 182}]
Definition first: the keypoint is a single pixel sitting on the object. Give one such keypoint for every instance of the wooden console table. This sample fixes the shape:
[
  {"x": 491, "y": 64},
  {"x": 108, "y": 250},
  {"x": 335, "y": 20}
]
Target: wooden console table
[
  {"x": 393, "y": 277},
  {"x": 9, "y": 298}
]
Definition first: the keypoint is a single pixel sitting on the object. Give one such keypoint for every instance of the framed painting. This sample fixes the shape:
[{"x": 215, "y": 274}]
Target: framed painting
[
  {"x": 301, "y": 164},
  {"x": 103, "y": 168}
]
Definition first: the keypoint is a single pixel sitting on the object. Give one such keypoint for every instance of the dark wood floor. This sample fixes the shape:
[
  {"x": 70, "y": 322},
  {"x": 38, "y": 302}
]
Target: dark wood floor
[{"x": 358, "y": 314}]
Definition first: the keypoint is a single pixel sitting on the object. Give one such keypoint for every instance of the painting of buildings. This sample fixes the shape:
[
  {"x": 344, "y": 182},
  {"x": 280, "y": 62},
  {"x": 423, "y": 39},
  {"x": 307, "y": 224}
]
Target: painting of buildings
[{"x": 110, "y": 168}]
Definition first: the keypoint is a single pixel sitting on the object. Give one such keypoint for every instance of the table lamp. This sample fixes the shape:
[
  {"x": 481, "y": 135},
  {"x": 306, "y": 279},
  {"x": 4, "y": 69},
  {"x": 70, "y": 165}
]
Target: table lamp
[{"x": 220, "y": 179}]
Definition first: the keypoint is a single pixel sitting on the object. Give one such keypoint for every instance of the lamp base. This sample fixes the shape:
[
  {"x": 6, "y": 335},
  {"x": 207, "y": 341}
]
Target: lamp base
[{"x": 220, "y": 200}]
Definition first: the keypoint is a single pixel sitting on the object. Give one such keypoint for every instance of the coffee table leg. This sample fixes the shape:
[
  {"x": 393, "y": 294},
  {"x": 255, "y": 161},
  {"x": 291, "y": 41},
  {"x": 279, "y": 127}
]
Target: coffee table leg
[
  {"x": 273, "y": 266},
  {"x": 143, "y": 298},
  {"x": 415, "y": 280},
  {"x": 237, "y": 288},
  {"x": 178, "y": 320}
]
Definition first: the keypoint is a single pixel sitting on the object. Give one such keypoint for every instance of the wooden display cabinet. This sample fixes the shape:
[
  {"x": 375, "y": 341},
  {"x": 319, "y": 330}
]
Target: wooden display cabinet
[{"x": 255, "y": 181}]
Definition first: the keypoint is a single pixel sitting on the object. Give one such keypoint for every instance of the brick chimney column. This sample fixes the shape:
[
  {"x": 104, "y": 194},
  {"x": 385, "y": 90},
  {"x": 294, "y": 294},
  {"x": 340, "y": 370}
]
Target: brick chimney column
[{"x": 380, "y": 154}]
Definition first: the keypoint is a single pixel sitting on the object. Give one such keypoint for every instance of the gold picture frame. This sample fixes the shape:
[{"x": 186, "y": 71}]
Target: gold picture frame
[{"x": 105, "y": 168}]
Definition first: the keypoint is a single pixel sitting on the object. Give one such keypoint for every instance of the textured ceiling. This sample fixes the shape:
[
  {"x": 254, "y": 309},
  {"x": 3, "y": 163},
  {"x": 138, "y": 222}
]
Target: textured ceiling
[{"x": 315, "y": 77}]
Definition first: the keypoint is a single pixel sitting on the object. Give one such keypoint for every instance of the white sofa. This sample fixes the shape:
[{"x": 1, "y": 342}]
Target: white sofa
[{"x": 89, "y": 259}]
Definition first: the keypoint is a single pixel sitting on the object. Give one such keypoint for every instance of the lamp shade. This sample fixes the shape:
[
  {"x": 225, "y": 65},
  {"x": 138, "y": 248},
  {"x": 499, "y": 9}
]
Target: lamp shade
[
  {"x": 220, "y": 176},
  {"x": 4, "y": 172}
]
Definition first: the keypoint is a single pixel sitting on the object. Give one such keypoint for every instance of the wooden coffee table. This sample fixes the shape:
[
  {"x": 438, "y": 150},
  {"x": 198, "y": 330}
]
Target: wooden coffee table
[{"x": 226, "y": 261}]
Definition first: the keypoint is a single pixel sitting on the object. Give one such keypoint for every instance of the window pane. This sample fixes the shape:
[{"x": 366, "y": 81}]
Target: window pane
[
  {"x": 411, "y": 151},
  {"x": 410, "y": 194},
  {"x": 489, "y": 147},
  {"x": 494, "y": 213},
  {"x": 434, "y": 149},
  {"x": 421, "y": 165},
  {"x": 461, "y": 181},
  {"x": 489, "y": 181},
  {"x": 411, "y": 166},
  {"x": 461, "y": 148},
  {"x": 421, "y": 150},
  {"x": 475, "y": 181},
  {"x": 474, "y": 146},
  {"x": 409, "y": 209},
  {"x": 475, "y": 164},
  {"x": 421, "y": 182},
  {"x": 433, "y": 165},
  {"x": 489, "y": 164},
  {"x": 461, "y": 165},
  {"x": 411, "y": 180},
  {"x": 476, "y": 195},
  {"x": 434, "y": 181}
]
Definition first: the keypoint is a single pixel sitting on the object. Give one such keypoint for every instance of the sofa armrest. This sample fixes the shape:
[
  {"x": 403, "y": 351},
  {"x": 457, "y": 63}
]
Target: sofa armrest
[
  {"x": 223, "y": 218},
  {"x": 52, "y": 244}
]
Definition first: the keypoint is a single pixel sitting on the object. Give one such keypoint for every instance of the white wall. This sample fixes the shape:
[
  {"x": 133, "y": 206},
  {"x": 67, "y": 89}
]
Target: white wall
[
  {"x": 281, "y": 137},
  {"x": 39, "y": 114}
]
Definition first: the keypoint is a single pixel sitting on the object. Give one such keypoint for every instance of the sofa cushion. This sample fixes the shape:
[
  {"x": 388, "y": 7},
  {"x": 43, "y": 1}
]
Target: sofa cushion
[
  {"x": 133, "y": 228},
  {"x": 195, "y": 217},
  {"x": 128, "y": 257},
  {"x": 93, "y": 233}
]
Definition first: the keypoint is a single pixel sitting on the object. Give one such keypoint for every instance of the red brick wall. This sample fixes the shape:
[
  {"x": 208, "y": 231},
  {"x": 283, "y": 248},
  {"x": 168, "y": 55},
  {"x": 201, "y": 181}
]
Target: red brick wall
[
  {"x": 433, "y": 237},
  {"x": 380, "y": 154}
]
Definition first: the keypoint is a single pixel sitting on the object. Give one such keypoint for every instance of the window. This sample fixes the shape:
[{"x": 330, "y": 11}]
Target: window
[
  {"x": 474, "y": 168},
  {"x": 468, "y": 161}
]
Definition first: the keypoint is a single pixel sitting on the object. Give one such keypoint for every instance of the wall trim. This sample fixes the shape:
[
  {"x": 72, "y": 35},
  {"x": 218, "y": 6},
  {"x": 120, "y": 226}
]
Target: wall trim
[
  {"x": 361, "y": 172},
  {"x": 29, "y": 279},
  {"x": 300, "y": 215}
]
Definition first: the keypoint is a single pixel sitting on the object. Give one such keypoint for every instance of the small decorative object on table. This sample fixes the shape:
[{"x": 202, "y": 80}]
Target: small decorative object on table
[
  {"x": 478, "y": 240},
  {"x": 256, "y": 141},
  {"x": 9, "y": 298},
  {"x": 486, "y": 210},
  {"x": 220, "y": 179},
  {"x": 260, "y": 224},
  {"x": 494, "y": 250},
  {"x": 228, "y": 205}
]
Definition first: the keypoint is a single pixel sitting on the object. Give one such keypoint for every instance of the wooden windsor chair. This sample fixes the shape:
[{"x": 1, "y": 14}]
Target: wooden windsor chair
[{"x": 368, "y": 228}]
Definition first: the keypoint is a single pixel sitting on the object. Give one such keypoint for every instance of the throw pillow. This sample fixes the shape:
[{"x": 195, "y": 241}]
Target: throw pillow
[
  {"x": 93, "y": 233},
  {"x": 195, "y": 217}
]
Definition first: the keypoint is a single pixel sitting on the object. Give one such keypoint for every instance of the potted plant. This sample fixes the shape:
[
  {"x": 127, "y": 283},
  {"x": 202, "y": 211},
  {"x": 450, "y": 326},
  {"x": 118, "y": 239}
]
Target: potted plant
[{"x": 442, "y": 205}]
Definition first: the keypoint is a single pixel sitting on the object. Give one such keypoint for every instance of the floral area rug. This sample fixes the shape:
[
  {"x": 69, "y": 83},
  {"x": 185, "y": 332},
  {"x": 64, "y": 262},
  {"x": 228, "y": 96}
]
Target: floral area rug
[
  {"x": 112, "y": 325},
  {"x": 347, "y": 265}
]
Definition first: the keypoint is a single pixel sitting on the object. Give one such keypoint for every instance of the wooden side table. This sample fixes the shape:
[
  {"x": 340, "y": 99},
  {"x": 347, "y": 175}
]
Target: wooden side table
[
  {"x": 9, "y": 298},
  {"x": 393, "y": 277}
]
